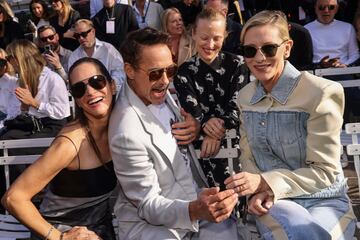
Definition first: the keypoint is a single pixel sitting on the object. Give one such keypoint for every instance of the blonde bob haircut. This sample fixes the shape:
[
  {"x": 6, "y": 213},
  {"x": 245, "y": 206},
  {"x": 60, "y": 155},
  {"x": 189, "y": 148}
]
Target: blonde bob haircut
[
  {"x": 30, "y": 63},
  {"x": 274, "y": 18},
  {"x": 165, "y": 17},
  {"x": 8, "y": 67},
  {"x": 209, "y": 14}
]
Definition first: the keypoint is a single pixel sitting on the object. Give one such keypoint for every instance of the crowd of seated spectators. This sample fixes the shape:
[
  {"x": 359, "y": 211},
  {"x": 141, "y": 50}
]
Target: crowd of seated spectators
[{"x": 212, "y": 62}]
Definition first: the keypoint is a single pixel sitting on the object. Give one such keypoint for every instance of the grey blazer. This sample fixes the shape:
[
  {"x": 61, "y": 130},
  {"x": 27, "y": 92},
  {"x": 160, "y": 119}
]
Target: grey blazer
[{"x": 155, "y": 184}]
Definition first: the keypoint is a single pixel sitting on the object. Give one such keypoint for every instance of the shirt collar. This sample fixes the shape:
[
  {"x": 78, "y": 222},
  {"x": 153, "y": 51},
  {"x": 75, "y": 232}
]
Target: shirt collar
[
  {"x": 216, "y": 64},
  {"x": 282, "y": 89}
]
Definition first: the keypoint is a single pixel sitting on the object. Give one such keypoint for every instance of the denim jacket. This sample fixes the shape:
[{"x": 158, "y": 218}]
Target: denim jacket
[{"x": 292, "y": 135}]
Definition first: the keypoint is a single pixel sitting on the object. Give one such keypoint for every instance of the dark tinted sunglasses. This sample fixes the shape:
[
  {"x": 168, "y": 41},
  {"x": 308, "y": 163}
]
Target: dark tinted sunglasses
[
  {"x": 2, "y": 62},
  {"x": 329, "y": 7},
  {"x": 97, "y": 82},
  {"x": 50, "y": 37},
  {"x": 269, "y": 50},
  {"x": 156, "y": 74},
  {"x": 82, "y": 34}
]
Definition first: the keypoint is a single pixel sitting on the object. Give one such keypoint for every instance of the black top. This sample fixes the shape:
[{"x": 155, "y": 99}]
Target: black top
[
  {"x": 125, "y": 22},
  {"x": 84, "y": 182},
  {"x": 301, "y": 55},
  {"x": 232, "y": 41},
  {"x": 12, "y": 32},
  {"x": 208, "y": 91},
  {"x": 68, "y": 43},
  {"x": 188, "y": 13}
]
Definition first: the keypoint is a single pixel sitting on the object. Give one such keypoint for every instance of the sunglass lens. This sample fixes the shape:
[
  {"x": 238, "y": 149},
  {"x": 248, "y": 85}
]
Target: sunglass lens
[
  {"x": 98, "y": 82},
  {"x": 249, "y": 51},
  {"x": 171, "y": 71},
  {"x": 2, "y": 63},
  {"x": 331, "y": 7},
  {"x": 78, "y": 89},
  {"x": 269, "y": 50},
  {"x": 156, "y": 74}
]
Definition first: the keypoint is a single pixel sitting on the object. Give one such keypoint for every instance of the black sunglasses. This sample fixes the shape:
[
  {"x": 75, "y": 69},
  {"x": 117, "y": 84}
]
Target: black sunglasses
[
  {"x": 50, "y": 37},
  {"x": 2, "y": 62},
  {"x": 156, "y": 74},
  {"x": 329, "y": 7},
  {"x": 97, "y": 82},
  {"x": 269, "y": 50},
  {"x": 82, "y": 34}
]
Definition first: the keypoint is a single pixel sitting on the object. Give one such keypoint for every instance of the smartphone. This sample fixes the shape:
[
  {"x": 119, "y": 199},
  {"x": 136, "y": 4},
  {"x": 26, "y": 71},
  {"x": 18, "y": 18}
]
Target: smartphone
[{"x": 48, "y": 49}]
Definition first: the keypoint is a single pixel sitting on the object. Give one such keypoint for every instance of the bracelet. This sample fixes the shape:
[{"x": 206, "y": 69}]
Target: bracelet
[{"x": 49, "y": 232}]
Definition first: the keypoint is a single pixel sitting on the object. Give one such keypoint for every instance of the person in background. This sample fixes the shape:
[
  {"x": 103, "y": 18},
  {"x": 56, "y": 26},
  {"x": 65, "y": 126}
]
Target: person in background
[
  {"x": 113, "y": 22},
  {"x": 154, "y": 160},
  {"x": 63, "y": 21},
  {"x": 56, "y": 56},
  {"x": 231, "y": 43},
  {"x": 148, "y": 14},
  {"x": 208, "y": 85},
  {"x": 10, "y": 30},
  {"x": 90, "y": 46},
  {"x": 9, "y": 104},
  {"x": 42, "y": 93},
  {"x": 189, "y": 9},
  {"x": 334, "y": 41},
  {"x": 40, "y": 13},
  {"x": 290, "y": 141},
  {"x": 181, "y": 44},
  {"x": 77, "y": 167},
  {"x": 97, "y": 5}
]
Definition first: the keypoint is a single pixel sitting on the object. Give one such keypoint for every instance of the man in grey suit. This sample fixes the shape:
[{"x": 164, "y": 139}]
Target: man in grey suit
[{"x": 154, "y": 160}]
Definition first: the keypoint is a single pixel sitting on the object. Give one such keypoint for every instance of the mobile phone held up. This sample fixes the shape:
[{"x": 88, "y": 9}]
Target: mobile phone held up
[{"x": 47, "y": 49}]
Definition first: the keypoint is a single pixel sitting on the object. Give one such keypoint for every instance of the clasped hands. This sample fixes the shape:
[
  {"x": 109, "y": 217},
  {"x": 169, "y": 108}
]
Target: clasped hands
[
  {"x": 244, "y": 183},
  {"x": 214, "y": 131},
  {"x": 80, "y": 233}
]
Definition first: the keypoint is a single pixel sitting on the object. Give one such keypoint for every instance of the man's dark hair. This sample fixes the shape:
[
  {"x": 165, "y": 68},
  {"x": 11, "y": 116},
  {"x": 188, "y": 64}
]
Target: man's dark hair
[{"x": 136, "y": 40}]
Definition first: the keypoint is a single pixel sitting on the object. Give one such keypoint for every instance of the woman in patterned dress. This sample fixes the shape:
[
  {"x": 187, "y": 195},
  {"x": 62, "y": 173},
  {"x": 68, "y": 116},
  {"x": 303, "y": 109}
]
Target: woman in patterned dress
[{"x": 207, "y": 86}]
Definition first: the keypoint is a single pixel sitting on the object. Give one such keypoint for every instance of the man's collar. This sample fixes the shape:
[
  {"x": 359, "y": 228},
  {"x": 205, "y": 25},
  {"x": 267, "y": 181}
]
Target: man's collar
[{"x": 283, "y": 88}]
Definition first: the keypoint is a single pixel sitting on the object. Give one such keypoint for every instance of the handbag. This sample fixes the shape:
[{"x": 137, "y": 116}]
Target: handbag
[{"x": 24, "y": 122}]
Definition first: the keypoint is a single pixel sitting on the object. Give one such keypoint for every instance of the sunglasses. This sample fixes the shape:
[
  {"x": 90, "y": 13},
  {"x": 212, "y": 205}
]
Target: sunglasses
[
  {"x": 50, "y": 37},
  {"x": 156, "y": 74},
  {"x": 2, "y": 62},
  {"x": 97, "y": 82},
  {"x": 82, "y": 34},
  {"x": 329, "y": 7},
  {"x": 269, "y": 50}
]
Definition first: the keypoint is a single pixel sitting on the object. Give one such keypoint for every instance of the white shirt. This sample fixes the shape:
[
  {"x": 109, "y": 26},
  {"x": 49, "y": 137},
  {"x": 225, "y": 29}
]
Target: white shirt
[
  {"x": 52, "y": 95},
  {"x": 108, "y": 55},
  {"x": 97, "y": 5},
  {"x": 336, "y": 39},
  {"x": 9, "y": 104}
]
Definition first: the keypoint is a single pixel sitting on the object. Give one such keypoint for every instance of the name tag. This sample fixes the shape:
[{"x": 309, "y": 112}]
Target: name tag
[{"x": 110, "y": 27}]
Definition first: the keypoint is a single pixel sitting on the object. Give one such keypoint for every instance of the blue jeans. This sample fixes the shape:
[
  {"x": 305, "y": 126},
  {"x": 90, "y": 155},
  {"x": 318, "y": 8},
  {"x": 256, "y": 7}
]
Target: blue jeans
[{"x": 326, "y": 218}]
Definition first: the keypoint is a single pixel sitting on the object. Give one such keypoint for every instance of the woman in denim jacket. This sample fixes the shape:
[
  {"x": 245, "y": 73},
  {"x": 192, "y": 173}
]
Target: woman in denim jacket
[{"x": 290, "y": 141}]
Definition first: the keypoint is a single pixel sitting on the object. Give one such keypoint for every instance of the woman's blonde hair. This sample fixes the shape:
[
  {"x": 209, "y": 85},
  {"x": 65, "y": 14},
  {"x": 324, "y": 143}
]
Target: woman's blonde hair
[
  {"x": 165, "y": 17},
  {"x": 274, "y": 18},
  {"x": 9, "y": 68},
  {"x": 67, "y": 10},
  {"x": 209, "y": 14},
  {"x": 30, "y": 63},
  {"x": 6, "y": 9}
]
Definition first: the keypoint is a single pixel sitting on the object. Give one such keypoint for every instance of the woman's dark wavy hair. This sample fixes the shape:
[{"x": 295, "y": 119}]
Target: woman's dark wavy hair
[
  {"x": 47, "y": 11},
  {"x": 80, "y": 116}
]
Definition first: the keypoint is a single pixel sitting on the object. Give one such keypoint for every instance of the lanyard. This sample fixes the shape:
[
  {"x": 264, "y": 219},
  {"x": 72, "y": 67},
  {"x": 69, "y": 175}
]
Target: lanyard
[
  {"x": 112, "y": 14},
  {"x": 147, "y": 8}
]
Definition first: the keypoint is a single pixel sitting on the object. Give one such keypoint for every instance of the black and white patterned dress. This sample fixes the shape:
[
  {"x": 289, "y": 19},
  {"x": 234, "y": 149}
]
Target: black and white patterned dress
[{"x": 210, "y": 90}]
